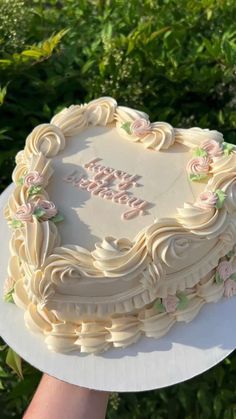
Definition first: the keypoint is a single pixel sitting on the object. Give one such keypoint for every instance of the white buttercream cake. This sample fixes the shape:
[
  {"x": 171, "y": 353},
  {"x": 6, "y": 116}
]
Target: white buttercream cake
[{"x": 120, "y": 226}]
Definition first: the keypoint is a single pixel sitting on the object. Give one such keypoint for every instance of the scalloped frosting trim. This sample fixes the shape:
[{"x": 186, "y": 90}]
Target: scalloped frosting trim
[{"x": 98, "y": 335}]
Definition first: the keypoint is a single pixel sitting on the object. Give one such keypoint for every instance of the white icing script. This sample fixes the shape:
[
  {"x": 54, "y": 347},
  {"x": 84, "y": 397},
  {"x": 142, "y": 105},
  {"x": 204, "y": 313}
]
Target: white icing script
[{"x": 98, "y": 185}]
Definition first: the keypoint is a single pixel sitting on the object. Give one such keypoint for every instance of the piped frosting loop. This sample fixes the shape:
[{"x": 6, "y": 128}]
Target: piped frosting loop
[
  {"x": 193, "y": 137},
  {"x": 71, "y": 120},
  {"x": 101, "y": 111},
  {"x": 69, "y": 263},
  {"x": 203, "y": 221},
  {"x": 120, "y": 257},
  {"x": 45, "y": 138}
]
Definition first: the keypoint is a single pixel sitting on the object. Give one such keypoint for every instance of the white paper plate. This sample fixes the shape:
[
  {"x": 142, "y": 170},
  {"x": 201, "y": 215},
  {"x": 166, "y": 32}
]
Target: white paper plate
[{"x": 188, "y": 349}]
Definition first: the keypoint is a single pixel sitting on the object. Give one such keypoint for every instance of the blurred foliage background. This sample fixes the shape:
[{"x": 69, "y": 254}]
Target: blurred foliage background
[{"x": 175, "y": 60}]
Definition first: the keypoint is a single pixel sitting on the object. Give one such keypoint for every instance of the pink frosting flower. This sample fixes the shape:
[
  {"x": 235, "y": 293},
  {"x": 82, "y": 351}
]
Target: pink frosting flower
[
  {"x": 49, "y": 208},
  {"x": 229, "y": 288},
  {"x": 212, "y": 148},
  {"x": 140, "y": 127},
  {"x": 198, "y": 165},
  {"x": 25, "y": 212},
  {"x": 170, "y": 303},
  {"x": 225, "y": 269},
  {"x": 8, "y": 285},
  {"x": 206, "y": 200},
  {"x": 33, "y": 179}
]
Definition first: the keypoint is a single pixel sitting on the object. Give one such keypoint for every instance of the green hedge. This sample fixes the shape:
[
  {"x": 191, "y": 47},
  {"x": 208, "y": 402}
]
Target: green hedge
[{"x": 174, "y": 59}]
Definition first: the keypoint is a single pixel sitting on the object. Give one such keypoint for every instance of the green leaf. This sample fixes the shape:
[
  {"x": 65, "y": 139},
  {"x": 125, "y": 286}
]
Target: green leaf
[
  {"x": 183, "y": 301},
  {"x": 87, "y": 66},
  {"x": 209, "y": 13},
  {"x": 39, "y": 212},
  {"x": 8, "y": 298},
  {"x": 13, "y": 360},
  {"x": 126, "y": 127},
  {"x": 218, "y": 278},
  {"x": 50, "y": 44},
  {"x": 34, "y": 190},
  {"x": 159, "y": 306},
  {"x": 3, "y": 92},
  {"x": 131, "y": 46},
  {"x": 220, "y": 198},
  {"x": 20, "y": 181},
  {"x": 155, "y": 34},
  {"x": 34, "y": 52},
  {"x": 58, "y": 218},
  {"x": 199, "y": 152},
  {"x": 228, "y": 148},
  {"x": 3, "y": 373},
  {"x": 16, "y": 223},
  {"x": 107, "y": 30},
  {"x": 198, "y": 177},
  {"x": 221, "y": 118},
  {"x": 3, "y": 136},
  {"x": 3, "y": 347},
  {"x": 5, "y": 63},
  {"x": 217, "y": 406}
]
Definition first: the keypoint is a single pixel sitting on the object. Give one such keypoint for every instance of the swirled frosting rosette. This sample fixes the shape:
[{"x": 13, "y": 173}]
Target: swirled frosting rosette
[
  {"x": 123, "y": 286},
  {"x": 136, "y": 127},
  {"x": 47, "y": 139},
  {"x": 101, "y": 111}
]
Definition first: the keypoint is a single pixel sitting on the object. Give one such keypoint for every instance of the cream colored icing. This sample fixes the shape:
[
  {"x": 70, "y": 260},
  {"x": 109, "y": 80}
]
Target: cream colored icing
[
  {"x": 94, "y": 297},
  {"x": 99, "y": 185}
]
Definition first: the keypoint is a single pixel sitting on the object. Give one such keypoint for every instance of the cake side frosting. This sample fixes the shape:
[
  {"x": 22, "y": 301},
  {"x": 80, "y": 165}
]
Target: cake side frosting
[{"x": 122, "y": 288}]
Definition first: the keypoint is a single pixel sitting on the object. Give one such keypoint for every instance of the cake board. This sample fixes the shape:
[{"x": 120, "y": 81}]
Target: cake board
[{"x": 187, "y": 350}]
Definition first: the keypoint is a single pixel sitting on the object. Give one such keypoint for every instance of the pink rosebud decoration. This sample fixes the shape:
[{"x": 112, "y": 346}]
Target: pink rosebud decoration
[
  {"x": 198, "y": 166},
  {"x": 8, "y": 285},
  {"x": 49, "y": 208},
  {"x": 170, "y": 303},
  {"x": 229, "y": 288},
  {"x": 140, "y": 127},
  {"x": 25, "y": 212},
  {"x": 33, "y": 179},
  {"x": 212, "y": 147},
  {"x": 225, "y": 270},
  {"x": 206, "y": 200}
]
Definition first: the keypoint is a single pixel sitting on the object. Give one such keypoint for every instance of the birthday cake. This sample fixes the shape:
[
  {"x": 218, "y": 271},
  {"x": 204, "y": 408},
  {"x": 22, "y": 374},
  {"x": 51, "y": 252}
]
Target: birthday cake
[{"x": 121, "y": 227}]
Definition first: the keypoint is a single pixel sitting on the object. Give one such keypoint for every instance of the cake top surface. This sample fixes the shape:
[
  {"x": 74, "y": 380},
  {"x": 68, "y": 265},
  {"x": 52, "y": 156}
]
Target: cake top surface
[{"x": 91, "y": 185}]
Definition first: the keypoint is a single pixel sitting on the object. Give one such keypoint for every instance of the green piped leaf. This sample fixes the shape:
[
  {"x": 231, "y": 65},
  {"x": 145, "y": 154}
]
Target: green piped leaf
[
  {"x": 34, "y": 190},
  {"x": 39, "y": 212},
  {"x": 220, "y": 198},
  {"x": 183, "y": 301},
  {"x": 57, "y": 219},
  {"x": 218, "y": 278},
  {"x": 20, "y": 181},
  {"x": 14, "y": 361},
  {"x": 8, "y": 297},
  {"x": 198, "y": 177},
  {"x": 230, "y": 254},
  {"x": 159, "y": 306},
  {"x": 233, "y": 277},
  {"x": 199, "y": 152},
  {"x": 126, "y": 126},
  {"x": 16, "y": 223},
  {"x": 227, "y": 148}
]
